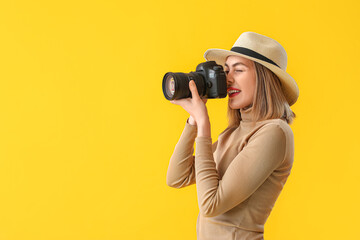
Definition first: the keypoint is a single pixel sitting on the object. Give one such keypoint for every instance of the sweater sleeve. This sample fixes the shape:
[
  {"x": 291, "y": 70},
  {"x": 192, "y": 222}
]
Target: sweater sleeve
[
  {"x": 181, "y": 170},
  {"x": 264, "y": 152}
]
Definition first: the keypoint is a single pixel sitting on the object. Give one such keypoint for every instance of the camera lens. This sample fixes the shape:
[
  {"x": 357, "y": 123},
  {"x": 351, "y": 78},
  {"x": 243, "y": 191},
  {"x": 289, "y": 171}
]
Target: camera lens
[
  {"x": 176, "y": 85},
  {"x": 170, "y": 86}
]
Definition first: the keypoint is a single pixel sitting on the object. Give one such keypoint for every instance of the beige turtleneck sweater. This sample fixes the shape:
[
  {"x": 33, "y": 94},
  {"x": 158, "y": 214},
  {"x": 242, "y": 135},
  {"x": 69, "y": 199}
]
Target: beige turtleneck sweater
[{"x": 238, "y": 178}]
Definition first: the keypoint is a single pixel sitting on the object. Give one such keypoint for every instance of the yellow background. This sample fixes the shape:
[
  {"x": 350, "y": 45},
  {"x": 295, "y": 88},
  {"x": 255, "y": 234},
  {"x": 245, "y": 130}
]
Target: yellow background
[{"x": 86, "y": 133}]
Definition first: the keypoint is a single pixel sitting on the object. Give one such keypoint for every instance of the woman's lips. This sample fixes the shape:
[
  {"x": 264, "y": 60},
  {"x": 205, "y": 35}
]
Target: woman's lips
[{"x": 233, "y": 94}]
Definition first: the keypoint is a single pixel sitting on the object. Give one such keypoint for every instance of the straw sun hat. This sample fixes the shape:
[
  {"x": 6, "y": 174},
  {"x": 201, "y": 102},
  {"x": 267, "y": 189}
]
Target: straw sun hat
[{"x": 265, "y": 51}]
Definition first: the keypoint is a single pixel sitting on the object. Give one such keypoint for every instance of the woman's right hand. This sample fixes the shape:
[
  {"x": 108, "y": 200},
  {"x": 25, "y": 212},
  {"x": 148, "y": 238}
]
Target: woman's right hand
[{"x": 195, "y": 106}]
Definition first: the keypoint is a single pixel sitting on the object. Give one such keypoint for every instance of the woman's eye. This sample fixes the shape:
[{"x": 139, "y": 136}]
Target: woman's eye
[{"x": 227, "y": 72}]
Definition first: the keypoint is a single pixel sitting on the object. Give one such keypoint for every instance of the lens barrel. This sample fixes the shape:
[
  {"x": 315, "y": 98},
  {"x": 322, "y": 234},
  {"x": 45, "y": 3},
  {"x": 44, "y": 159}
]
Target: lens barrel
[{"x": 176, "y": 85}]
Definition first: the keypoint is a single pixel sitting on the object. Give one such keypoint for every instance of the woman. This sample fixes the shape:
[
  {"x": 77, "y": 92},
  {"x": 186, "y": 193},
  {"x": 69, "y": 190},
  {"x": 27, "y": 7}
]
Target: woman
[{"x": 239, "y": 177}]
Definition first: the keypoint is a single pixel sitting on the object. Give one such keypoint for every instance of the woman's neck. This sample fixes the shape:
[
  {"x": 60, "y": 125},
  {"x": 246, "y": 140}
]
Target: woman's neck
[{"x": 247, "y": 107}]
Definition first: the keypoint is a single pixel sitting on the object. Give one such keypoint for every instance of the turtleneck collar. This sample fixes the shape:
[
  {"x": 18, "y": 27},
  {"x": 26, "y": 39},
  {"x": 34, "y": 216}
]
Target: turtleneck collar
[{"x": 246, "y": 114}]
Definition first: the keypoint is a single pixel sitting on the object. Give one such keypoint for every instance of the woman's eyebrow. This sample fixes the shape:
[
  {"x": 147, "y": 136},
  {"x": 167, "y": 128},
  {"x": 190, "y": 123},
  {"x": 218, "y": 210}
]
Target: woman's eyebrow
[{"x": 235, "y": 64}]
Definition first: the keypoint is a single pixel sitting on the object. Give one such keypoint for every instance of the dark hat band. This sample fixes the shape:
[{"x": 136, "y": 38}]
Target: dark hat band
[{"x": 251, "y": 53}]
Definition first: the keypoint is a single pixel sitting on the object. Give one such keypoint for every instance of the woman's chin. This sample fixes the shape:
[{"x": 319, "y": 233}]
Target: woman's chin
[
  {"x": 239, "y": 104},
  {"x": 235, "y": 106}
]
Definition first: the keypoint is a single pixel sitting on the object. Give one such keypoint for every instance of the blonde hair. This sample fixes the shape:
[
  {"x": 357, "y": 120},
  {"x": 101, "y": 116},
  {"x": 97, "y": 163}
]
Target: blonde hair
[{"x": 269, "y": 100}]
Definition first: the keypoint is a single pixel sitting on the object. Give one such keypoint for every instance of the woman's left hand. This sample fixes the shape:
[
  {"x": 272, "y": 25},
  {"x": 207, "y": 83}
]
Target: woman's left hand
[{"x": 195, "y": 106}]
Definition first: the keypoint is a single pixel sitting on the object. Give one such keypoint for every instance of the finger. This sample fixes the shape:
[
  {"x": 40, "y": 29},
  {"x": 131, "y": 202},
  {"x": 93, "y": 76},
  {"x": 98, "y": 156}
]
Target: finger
[
  {"x": 180, "y": 102},
  {"x": 193, "y": 89},
  {"x": 176, "y": 102}
]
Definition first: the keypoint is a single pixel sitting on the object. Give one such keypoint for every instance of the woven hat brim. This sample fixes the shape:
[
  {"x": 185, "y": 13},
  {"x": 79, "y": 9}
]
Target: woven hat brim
[{"x": 289, "y": 85}]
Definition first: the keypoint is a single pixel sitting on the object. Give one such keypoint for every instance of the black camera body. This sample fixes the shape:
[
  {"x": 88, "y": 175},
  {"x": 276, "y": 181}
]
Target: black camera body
[{"x": 209, "y": 77}]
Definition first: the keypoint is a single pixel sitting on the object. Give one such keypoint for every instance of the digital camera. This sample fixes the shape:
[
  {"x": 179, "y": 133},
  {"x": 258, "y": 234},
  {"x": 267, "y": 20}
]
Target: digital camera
[{"x": 209, "y": 77}]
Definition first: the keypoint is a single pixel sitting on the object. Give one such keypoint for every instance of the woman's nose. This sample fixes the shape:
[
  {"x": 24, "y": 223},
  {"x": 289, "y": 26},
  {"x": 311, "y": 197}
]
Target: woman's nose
[{"x": 229, "y": 79}]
